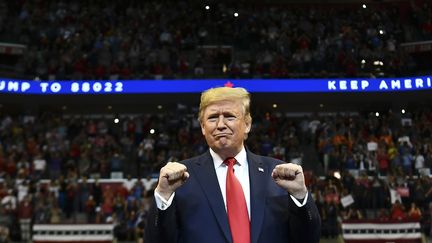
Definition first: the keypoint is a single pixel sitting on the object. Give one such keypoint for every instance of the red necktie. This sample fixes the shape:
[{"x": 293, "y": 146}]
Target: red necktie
[{"x": 238, "y": 216}]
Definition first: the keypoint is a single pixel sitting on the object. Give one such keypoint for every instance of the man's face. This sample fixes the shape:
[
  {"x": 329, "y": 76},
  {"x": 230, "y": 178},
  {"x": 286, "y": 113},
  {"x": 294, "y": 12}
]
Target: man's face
[{"x": 224, "y": 127}]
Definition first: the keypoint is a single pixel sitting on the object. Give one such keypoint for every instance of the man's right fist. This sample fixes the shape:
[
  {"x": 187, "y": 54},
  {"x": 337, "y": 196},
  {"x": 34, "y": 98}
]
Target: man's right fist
[{"x": 171, "y": 177}]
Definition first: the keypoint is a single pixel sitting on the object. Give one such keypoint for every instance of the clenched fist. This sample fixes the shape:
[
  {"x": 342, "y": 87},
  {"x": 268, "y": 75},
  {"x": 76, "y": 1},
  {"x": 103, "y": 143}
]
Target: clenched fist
[
  {"x": 290, "y": 177},
  {"x": 171, "y": 177}
]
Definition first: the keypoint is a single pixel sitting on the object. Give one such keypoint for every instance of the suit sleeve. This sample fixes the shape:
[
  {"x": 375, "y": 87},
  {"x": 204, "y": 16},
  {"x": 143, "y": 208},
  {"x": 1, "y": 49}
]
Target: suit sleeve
[
  {"x": 305, "y": 222},
  {"x": 161, "y": 225}
]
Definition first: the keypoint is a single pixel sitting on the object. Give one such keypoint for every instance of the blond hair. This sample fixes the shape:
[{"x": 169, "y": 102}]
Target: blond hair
[{"x": 213, "y": 95}]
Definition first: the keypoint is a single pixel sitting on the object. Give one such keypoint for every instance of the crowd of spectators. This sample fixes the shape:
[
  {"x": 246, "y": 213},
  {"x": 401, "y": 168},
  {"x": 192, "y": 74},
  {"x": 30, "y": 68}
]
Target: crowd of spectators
[
  {"x": 376, "y": 144},
  {"x": 51, "y": 164},
  {"x": 177, "y": 39},
  {"x": 383, "y": 159}
]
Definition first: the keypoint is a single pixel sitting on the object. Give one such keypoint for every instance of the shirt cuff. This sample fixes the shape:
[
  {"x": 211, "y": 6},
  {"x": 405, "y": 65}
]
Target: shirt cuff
[
  {"x": 161, "y": 203},
  {"x": 298, "y": 203}
]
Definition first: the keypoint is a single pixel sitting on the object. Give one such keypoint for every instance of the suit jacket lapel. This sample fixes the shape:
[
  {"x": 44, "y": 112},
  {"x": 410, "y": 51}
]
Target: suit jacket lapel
[
  {"x": 206, "y": 175},
  {"x": 258, "y": 173}
]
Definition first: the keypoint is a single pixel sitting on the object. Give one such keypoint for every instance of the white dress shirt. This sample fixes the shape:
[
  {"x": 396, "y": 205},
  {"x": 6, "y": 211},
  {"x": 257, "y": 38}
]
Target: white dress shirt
[{"x": 241, "y": 171}]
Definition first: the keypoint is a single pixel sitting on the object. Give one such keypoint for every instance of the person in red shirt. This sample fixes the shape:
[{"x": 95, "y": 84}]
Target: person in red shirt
[
  {"x": 25, "y": 213},
  {"x": 414, "y": 212},
  {"x": 398, "y": 211}
]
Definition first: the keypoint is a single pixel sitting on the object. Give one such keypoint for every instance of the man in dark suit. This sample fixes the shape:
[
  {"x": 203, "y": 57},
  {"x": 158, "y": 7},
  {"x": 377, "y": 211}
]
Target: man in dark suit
[{"x": 229, "y": 194}]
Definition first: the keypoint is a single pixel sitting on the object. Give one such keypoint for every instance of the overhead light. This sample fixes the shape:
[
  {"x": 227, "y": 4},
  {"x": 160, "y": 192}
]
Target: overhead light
[{"x": 224, "y": 68}]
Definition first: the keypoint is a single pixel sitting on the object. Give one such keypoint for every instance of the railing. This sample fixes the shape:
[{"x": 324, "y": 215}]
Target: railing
[
  {"x": 65, "y": 233},
  {"x": 375, "y": 231}
]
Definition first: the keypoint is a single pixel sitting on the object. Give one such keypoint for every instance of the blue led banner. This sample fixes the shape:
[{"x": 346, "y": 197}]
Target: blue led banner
[{"x": 11, "y": 86}]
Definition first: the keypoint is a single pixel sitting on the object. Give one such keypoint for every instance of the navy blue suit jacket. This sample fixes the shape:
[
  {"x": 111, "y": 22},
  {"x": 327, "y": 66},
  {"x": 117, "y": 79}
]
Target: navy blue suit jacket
[{"x": 198, "y": 215}]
